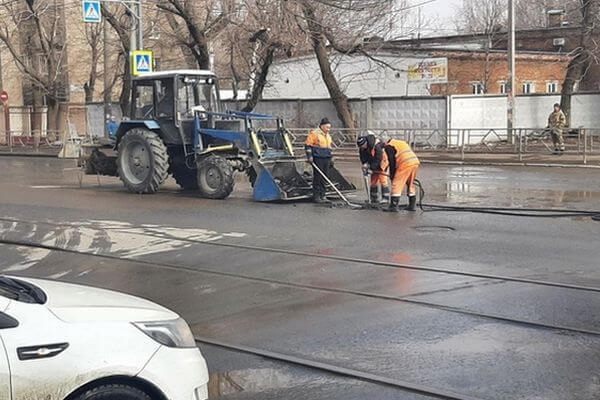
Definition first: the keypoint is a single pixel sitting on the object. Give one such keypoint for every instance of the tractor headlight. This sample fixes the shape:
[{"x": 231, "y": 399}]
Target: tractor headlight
[{"x": 175, "y": 333}]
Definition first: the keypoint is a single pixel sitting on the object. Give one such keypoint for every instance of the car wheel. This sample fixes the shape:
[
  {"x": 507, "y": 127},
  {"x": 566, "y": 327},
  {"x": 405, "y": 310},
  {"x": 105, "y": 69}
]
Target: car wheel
[{"x": 114, "y": 392}]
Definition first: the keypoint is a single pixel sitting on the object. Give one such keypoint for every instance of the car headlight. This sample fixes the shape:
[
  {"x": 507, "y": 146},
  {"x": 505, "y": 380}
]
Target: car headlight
[{"x": 175, "y": 333}]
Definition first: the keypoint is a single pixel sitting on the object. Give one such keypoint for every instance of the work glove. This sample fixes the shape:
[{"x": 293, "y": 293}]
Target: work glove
[{"x": 365, "y": 169}]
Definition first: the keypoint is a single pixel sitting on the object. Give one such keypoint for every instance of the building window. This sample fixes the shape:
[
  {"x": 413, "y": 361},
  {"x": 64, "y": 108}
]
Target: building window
[
  {"x": 478, "y": 88},
  {"x": 528, "y": 87},
  {"x": 552, "y": 87},
  {"x": 503, "y": 87}
]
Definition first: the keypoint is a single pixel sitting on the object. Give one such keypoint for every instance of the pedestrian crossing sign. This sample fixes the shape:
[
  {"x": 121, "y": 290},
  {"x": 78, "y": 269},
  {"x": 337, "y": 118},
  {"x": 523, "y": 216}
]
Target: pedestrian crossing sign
[
  {"x": 142, "y": 62},
  {"x": 92, "y": 11}
]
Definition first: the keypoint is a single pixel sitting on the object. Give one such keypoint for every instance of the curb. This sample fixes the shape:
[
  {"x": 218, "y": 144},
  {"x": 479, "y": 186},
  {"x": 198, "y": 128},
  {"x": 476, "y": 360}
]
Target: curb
[
  {"x": 509, "y": 164},
  {"x": 30, "y": 155}
]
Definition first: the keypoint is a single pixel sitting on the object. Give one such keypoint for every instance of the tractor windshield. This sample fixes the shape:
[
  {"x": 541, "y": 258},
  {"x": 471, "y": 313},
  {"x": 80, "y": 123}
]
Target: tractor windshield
[{"x": 196, "y": 93}]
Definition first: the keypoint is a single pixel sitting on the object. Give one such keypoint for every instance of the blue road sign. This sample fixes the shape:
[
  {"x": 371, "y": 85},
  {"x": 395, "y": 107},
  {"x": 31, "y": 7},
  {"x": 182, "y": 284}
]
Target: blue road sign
[
  {"x": 92, "y": 11},
  {"x": 142, "y": 62}
]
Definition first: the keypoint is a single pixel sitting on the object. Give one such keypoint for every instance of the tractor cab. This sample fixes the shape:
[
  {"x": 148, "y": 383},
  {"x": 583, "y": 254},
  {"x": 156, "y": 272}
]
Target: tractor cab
[{"x": 172, "y": 99}]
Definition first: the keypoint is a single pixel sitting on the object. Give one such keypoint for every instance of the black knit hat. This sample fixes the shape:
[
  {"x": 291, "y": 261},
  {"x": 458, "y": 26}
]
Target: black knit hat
[
  {"x": 361, "y": 141},
  {"x": 368, "y": 139},
  {"x": 324, "y": 121}
]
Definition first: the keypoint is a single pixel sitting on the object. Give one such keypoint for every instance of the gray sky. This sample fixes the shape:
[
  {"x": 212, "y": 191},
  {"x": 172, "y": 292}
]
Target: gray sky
[{"x": 442, "y": 11}]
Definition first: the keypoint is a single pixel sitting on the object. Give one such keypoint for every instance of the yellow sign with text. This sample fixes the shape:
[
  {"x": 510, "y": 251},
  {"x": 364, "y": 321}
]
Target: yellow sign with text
[{"x": 430, "y": 70}]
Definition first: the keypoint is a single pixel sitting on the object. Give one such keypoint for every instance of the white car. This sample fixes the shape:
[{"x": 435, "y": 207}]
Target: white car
[{"x": 61, "y": 341}]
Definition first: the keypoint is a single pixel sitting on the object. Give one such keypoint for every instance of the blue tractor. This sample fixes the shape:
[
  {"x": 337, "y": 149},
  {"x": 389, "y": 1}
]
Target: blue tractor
[{"x": 177, "y": 126}]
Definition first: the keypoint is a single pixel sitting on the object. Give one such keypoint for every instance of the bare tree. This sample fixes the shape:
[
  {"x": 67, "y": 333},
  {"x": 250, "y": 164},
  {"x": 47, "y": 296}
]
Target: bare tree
[
  {"x": 532, "y": 14},
  {"x": 121, "y": 21},
  {"x": 93, "y": 38},
  {"x": 584, "y": 55},
  {"x": 359, "y": 27},
  {"x": 33, "y": 32},
  {"x": 266, "y": 29},
  {"x": 197, "y": 23},
  {"x": 488, "y": 18}
]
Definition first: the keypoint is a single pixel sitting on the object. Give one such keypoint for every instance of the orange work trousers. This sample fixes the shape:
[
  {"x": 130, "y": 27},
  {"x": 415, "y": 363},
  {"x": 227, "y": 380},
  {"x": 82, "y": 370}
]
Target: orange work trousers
[
  {"x": 405, "y": 176},
  {"x": 379, "y": 178}
]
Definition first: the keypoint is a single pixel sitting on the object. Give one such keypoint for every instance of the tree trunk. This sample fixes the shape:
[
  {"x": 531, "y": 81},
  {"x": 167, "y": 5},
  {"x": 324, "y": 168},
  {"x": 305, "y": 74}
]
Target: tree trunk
[
  {"x": 582, "y": 59},
  {"x": 53, "y": 114},
  {"x": 125, "y": 97},
  {"x": 261, "y": 80},
  {"x": 339, "y": 99}
]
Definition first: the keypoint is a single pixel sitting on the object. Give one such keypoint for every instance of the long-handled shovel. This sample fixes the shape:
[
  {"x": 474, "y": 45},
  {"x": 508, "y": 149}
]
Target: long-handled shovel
[{"x": 348, "y": 203}]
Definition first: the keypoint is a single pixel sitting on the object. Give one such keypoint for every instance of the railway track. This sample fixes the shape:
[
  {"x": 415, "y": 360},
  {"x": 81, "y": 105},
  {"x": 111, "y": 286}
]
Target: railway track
[
  {"x": 328, "y": 289},
  {"x": 425, "y": 390}
]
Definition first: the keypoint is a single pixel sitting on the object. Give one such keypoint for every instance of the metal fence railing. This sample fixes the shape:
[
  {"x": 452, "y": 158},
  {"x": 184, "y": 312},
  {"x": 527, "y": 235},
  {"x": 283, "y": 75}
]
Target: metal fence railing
[
  {"x": 519, "y": 142},
  {"x": 584, "y": 142}
]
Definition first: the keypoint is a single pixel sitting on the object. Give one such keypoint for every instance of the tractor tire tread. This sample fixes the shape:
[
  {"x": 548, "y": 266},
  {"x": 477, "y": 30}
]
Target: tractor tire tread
[
  {"x": 227, "y": 172},
  {"x": 160, "y": 161}
]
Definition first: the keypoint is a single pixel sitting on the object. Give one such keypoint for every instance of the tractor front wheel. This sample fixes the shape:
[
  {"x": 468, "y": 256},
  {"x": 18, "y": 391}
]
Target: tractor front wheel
[
  {"x": 142, "y": 161},
  {"x": 215, "y": 177}
]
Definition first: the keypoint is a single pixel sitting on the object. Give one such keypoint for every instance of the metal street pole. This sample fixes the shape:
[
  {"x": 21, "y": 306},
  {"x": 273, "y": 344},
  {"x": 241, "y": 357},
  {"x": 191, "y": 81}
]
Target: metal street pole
[
  {"x": 510, "y": 89},
  {"x": 107, "y": 94},
  {"x": 140, "y": 26}
]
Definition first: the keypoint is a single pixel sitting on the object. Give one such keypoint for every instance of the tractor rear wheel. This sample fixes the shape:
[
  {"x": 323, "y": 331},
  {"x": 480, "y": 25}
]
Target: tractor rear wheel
[
  {"x": 215, "y": 177},
  {"x": 142, "y": 161}
]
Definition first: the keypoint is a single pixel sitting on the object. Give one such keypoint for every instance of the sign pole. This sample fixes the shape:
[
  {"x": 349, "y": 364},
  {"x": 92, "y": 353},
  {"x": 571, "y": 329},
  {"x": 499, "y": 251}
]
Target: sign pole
[
  {"x": 140, "y": 26},
  {"x": 107, "y": 92}
]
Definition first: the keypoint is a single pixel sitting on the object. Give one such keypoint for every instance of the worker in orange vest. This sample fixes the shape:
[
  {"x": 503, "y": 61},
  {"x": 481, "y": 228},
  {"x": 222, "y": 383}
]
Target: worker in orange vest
[
  {"x": 318, "y": 153},
  {"x": 371, "y": 151},
  {"x": 403, "y": 165}
]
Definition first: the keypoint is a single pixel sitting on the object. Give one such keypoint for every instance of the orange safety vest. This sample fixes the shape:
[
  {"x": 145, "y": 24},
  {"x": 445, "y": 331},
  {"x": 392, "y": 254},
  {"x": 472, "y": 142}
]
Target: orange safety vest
[
  {"x": 404, "y": 156},
  {"x": 319, "y": 143}
]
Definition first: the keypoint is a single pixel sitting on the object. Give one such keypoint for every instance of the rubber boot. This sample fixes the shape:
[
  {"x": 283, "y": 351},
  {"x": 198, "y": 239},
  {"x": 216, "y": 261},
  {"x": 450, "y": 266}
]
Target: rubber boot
[
  {"x": 385, "y": 194},
  {"x": 412, "y": 203},
  {"x": 374, "y": 194},
  {"x": 394, "y": 204}
]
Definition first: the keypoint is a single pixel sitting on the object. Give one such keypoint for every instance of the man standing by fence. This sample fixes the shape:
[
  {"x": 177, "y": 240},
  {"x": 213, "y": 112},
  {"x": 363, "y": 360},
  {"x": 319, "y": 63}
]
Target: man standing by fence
[{"x": 556, "y": 122}]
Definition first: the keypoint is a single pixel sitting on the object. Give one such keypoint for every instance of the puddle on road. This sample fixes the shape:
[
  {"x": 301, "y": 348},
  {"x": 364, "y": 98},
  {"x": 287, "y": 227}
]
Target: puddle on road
[{"x": 260, "y": 380}]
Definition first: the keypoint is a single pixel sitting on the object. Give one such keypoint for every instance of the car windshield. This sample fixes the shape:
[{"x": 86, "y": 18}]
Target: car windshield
[{"x": 16, "y": 289}]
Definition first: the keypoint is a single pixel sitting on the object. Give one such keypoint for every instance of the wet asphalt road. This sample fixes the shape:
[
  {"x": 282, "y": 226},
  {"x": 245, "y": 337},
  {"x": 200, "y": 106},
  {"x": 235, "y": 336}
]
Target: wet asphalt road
[{"x": 321, "y": 309}]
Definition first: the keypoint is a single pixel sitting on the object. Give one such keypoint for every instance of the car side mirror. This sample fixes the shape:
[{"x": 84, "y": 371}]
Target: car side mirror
[{"x": 7, "y": 322}]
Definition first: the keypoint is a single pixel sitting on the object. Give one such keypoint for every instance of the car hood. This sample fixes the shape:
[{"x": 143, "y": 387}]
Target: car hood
[{"x": 77, "y": 303}]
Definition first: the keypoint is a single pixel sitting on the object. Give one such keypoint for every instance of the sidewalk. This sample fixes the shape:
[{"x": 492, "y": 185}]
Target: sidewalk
[
  {"x": 28, "y": 151},
  {"x": 569, "y": 159}
]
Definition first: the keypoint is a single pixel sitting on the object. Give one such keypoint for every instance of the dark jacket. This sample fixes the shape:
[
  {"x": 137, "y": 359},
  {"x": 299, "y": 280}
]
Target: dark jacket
[{"x": 372, "y": 155}]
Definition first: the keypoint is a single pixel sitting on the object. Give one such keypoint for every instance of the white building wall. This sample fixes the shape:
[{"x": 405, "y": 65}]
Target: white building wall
[{"x": 359, "y": 77}]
